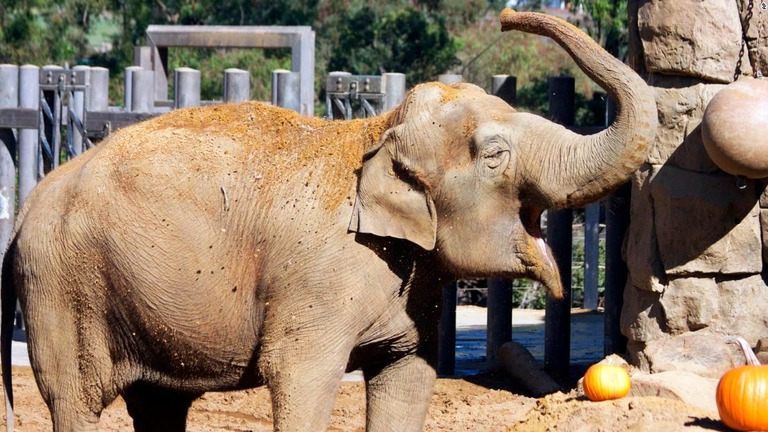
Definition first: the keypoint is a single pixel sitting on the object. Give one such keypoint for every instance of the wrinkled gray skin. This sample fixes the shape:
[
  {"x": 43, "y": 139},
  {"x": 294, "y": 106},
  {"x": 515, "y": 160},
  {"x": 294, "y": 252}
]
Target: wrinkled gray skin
[{"x": 229, "y": 247}]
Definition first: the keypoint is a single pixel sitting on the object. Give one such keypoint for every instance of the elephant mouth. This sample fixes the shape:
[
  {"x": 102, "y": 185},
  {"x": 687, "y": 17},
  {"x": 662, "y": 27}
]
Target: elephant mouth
[{"x": 538, "y": 259}]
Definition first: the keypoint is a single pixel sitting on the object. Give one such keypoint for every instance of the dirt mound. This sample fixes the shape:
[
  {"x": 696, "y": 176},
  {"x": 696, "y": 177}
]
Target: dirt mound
[{"x": 575, "y": 413}]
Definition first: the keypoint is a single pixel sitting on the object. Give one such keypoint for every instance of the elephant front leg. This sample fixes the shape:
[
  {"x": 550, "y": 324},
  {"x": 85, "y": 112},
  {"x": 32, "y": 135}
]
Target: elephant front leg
[
  {"x": 398, "y": 395},
  {"x": 303, "y": 384}
]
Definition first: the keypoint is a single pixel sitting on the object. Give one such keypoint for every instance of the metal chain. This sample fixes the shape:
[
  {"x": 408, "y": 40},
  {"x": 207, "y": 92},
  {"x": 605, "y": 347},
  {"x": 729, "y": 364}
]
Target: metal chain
[
  {"x": 744, "y": 30},
  {"x": 757, "y": 72}
]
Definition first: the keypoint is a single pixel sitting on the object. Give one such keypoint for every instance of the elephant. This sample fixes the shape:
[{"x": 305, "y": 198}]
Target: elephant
[{"x": 239, "y": 245}]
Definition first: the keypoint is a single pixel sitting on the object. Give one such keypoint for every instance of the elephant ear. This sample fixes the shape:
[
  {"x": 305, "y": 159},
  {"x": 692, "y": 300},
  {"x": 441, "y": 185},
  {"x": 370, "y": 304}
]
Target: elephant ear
[{"x": 389, "y": 202}]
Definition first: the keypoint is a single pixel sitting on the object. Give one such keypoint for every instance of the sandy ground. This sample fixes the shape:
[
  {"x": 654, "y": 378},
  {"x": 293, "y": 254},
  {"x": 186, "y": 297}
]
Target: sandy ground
[
  {"x": 481, "y": 403},
  {"x": 484, "y": 402}
]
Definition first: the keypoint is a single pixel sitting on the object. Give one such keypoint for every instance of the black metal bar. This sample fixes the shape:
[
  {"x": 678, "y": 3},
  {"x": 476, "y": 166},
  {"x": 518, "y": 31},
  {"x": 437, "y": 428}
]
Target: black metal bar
[
  {"x": 557, "y": 326},
  {"x": 616, "y": 273},
  {"x": 499, "y": 321},
  {"x": 56, "y": 129},
  {"x": 446, "y": 346},
  {"x": 45, "y": 135},
  {"x": 75, "y": 120}
]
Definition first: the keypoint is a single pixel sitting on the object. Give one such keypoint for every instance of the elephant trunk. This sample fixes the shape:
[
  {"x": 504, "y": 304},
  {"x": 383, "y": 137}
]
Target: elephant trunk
[{"x": 582, "y": 169}]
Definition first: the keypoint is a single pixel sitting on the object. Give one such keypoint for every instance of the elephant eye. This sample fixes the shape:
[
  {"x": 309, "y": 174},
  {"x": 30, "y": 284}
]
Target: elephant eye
[{"x": 494, "y": 157}]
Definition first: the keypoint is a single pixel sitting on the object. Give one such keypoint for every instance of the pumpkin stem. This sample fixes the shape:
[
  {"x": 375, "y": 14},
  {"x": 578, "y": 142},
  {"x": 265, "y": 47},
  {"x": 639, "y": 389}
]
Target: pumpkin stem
[{"x": 749, "y": 355}]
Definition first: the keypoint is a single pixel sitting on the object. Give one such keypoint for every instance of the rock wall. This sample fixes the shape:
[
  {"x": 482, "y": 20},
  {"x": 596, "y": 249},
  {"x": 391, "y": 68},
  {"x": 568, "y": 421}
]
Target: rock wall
[{"x": 698, "y": 240}]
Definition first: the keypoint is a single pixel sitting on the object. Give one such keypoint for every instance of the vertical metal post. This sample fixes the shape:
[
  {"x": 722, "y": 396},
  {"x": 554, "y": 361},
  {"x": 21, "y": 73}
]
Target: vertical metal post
[
  {"x": 446, "y": 345},
  {"x": 394, "y": 89},
  {"x": 142, "y": 91},
  {"x": 557, "y": 326},
  {"x": 29, "y": 97},
  {"x": 237, "y": 85},
  {"x": 99, "y": 97},
  {"x": 186, "y": 88},
  {"x": 499, "y": 325},
  {"x": 591, "y": 254},
  {"x": 505, "y": 87},
  {"x": 286, "y": 89},
  {"x": 616, "y": 272},
  {"x": 78, "y": 106},
  {"x": 9, "y": 98},
  {"x": 128, "y": 86}
]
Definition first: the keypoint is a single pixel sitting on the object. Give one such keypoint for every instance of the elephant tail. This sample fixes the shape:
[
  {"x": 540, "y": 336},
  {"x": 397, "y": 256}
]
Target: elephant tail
[{"x": 7, "y": 317}]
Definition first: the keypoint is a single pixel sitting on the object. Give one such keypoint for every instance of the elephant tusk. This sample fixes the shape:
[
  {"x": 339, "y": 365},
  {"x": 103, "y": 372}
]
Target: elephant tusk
[{"x": 543, "y": 247}]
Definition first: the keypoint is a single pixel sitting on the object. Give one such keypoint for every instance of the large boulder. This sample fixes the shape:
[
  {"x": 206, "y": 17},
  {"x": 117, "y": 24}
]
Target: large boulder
[{"x": 692, "y": 38}]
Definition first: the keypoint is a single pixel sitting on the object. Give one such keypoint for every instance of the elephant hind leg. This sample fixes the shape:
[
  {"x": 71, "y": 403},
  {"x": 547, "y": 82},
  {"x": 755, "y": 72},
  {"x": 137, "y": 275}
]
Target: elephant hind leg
[{"x": 157, "y": 409}]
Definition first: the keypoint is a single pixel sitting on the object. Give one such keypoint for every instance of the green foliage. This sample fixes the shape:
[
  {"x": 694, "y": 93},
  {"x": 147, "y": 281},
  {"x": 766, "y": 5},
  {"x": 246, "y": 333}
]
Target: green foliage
[
  {"x": 212, "y": 62},
  {"x": 45, "y": 31},
  {"x": 486, "y": 52},
  {"x": 607, "y": 23},
  {"x": 398, "y": 40}
]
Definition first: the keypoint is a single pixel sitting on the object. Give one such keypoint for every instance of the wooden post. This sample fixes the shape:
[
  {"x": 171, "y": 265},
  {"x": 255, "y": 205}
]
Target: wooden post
[
  {"x": 446, "y": 346},
  {"x": 499, "y": 320},
  {"x": 591, "y": 254},
  {"x": 99, "y": 97},
  {"x": 557, "y": 326},
  {"x": 128, "y": 96},
  {"x": 286, "y": 89},
  {"x": 142, "y": 91},
  {"x": 29, "y": 97},
  {"x": 9, "y": 98},
  {"x": 237, "y": 85},
  {"x": 394, "y": 89},
  {"x": 186, "y": 88}
]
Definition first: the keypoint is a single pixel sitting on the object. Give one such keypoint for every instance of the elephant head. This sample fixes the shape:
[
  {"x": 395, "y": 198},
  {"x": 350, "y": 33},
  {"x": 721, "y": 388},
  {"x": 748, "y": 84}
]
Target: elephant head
[{"x": 463, "y": 174}]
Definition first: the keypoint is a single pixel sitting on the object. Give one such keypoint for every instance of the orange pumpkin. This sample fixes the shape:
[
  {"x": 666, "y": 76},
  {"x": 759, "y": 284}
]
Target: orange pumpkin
[
  {"x": 742, "y": 394},
  {"x": 606, "y": 382}
]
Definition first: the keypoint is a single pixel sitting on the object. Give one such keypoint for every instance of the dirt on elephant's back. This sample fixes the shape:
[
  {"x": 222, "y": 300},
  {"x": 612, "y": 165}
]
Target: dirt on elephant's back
[{"x": 484, "y": 403}]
